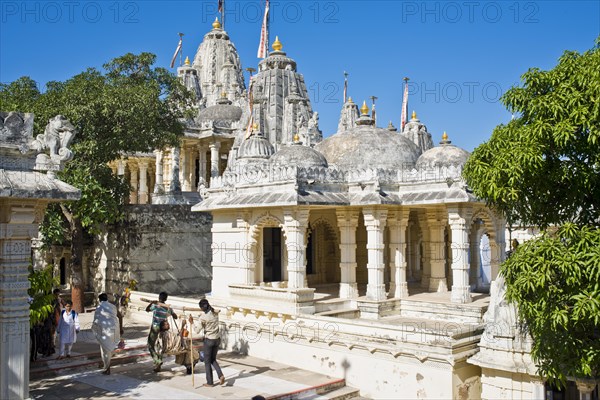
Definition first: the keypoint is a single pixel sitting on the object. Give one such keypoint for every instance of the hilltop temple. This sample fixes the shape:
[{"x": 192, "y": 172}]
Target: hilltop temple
[{"x": 358, "y": 255}]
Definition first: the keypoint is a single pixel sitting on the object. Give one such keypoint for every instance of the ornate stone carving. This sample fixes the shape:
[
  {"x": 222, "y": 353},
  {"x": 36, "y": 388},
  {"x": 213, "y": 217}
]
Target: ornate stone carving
[{"x": 56, "y": 137}]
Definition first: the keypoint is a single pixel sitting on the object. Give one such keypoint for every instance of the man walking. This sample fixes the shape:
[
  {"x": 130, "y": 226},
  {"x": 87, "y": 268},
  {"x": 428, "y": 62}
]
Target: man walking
[
  {"x": 160, "y": 312},
  {"x": 106, "y": 329}
]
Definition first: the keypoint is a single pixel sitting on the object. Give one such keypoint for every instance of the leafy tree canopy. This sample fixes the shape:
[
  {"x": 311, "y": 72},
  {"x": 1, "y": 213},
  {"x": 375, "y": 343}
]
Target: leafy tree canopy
[
  {"x": 543, "y": 168},
  {"x": 555, "y": 282},
  {"x": 131, "y": 106}
]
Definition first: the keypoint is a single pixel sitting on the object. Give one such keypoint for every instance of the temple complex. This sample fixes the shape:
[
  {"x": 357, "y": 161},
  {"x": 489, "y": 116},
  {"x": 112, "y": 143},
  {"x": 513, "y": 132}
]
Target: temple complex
[{"x": 360, "y": 256}]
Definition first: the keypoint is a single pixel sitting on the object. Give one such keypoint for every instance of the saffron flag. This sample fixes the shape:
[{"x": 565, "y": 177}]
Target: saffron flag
[
  {"x": 264, "y": 34},
  {"x": 221, "y": 5},
  {"x": 404, "y": 117},
  {"x": 177, "y": 50}
]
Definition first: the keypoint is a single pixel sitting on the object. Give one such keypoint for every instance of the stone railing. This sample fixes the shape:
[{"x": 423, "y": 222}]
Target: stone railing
[{"x": 266, "y": 173}]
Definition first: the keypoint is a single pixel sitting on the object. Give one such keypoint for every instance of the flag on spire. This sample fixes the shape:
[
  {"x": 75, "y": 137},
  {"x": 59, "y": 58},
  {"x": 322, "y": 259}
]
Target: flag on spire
[
  {"x": 222, "y": 11},
  {"x": 345, "y": 86},
  {"x": 177, "y": 50},
  {"x": 263, "y": 49},
  {"x": 404, "y": 117}
]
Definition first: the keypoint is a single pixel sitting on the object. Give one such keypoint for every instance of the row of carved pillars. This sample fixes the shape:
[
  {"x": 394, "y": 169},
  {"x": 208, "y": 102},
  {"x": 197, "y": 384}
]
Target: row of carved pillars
[
  {"x": 434, "y": 245},
  {"x": 376, "y": 219},
  {"x": 181, "y": 167}
]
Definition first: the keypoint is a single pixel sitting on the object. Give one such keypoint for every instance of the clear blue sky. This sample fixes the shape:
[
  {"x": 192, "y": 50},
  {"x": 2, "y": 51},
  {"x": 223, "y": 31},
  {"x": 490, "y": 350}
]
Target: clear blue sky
[{"x": 460, "y": 55}]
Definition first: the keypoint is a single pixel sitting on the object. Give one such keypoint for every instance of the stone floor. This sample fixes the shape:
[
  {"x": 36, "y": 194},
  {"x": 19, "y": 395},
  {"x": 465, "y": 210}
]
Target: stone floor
[{"x": 132, "y": 376}]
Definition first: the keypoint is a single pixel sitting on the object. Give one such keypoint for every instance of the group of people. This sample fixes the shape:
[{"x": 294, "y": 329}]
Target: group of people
[
  {"x": 61, "y": 325},
  {"x": 165, "y": 339}
]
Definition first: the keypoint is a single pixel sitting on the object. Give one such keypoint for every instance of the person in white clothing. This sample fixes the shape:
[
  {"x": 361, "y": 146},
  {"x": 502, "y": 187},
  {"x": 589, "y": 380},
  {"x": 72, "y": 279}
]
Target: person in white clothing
[
  {"x": 106, "y": 329},
  {"x": 67, "y": 329}
]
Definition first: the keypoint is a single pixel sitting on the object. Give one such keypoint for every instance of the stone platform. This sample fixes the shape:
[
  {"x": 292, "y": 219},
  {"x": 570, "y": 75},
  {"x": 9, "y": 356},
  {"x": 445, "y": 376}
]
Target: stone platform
[{"x": 132, "y": 377}]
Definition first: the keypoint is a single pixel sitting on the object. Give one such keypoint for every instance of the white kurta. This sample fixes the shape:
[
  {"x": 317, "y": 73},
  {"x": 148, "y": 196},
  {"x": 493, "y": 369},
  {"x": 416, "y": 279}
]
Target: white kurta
[
  {"x": 106, "y": 326},
  {"x": 68, "y": 327}
]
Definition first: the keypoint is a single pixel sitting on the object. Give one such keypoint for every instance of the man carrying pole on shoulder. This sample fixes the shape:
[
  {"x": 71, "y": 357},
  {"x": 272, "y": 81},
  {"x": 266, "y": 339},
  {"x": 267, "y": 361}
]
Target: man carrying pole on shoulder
[{"x": 160, "y": 312}]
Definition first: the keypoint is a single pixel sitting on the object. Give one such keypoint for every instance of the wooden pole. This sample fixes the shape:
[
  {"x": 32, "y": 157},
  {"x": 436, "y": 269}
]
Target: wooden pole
[{"x": 190, "y": 330}]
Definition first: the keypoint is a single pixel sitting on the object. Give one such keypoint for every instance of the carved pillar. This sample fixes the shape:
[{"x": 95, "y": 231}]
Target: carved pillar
[
  {"x": 457, "y": 218},
  {"x": 375, "y": 223},
  {"x": 586, "y": 388},
  {"x": 120, "y": 167},
  {"x": 424, "y": 252},
  {"x": 175, "y": 186},
  {"x": 475, "y": 262},
  {"x": 159, "y": 186},
  {"x": 295, "y": 224},
  {"x": 186, "y": 184},
  {"x": 497, "y": 247},
  {"x": 249, "y": 249},
  {"x": 214, "y": 159},
  {"x": 347, "y": 221},
  {"x": 18, "y": 225},
  {"x": 133, "y": 182},
  {"x": 398, "y": 222},
  {"x": 437, "y": 251},
  {"x": 143, "y": 192},
  {"x": 201, "y": 166}
]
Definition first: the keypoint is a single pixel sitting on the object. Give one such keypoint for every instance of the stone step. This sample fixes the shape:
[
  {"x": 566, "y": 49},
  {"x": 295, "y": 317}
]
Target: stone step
[
  {"x": 348, "y": 313},
  {"x": 342, "y": 393},
  {"x": 443, "y": 312},
  {"x": 332, "y": 305},
  {"x": 54, "y": 367},
  {"x": 312, "y": 392}
]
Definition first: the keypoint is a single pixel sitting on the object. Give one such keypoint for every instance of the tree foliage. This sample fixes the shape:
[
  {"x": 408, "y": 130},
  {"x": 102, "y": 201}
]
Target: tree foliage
[
  {"x": 41, "y": 283},
  {"x": 131, "y": 106},
  {"x": 555, "y": 282},
  {"x": 543, "y": 168}
]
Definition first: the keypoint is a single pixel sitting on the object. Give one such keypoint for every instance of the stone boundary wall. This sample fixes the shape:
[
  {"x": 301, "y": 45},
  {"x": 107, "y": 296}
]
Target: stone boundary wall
[{"x": 162, "y": 247}]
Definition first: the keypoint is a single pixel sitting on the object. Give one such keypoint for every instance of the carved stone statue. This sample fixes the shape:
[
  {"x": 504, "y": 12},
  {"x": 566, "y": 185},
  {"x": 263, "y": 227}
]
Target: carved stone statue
[
  {"x": 56, "y": 137},
  {"x": 313, "y": 122}
]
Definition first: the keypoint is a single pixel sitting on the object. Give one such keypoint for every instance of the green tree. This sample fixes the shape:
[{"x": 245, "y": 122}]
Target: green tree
[
  {"x": 130, "y": 106},
  {"x": 543, "y": 168},
  {"x": 41, "y": 299}
]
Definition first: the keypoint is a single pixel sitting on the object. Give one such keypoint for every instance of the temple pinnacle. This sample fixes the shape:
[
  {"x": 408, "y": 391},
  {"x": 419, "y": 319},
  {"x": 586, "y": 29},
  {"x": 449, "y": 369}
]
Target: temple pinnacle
[
  {"x": 445, "y": 136},
  {"x": 277, "y": 46},
  {"x": 414, "y": 115},
  {"x": 216, "y": 24},
  {"x": 364, "y": 110},
  {"x": 187, "y": 61}
]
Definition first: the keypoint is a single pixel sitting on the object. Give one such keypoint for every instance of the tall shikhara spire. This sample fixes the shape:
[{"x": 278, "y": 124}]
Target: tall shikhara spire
[{"x": 281, "y": 103}]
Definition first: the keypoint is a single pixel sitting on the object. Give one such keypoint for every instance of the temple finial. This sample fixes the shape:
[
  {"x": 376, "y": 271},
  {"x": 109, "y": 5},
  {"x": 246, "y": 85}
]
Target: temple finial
[
  {"x": 364, "y": 110},
  {"x": 277, "y": 46},
  {"x": 414, "y": 115},
  {"x": 216, "y": 24},
  {"x": 187, "y": 61}
]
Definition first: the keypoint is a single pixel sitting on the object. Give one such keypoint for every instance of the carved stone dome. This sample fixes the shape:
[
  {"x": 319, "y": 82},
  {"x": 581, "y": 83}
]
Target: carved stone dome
[
  {"x": 297, "y": 154},
  {"x": 366, "y": 146},
  {"x": 220, "y": 112},
  {"x": 444, "y": 155},
  {"x": 255, "y": 147}
]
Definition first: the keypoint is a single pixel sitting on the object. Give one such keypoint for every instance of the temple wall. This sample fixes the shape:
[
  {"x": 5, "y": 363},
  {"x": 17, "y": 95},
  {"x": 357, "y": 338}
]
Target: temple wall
[
  {"x": 162, "y": 247},
  {"x": 498, "y": 384}
]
